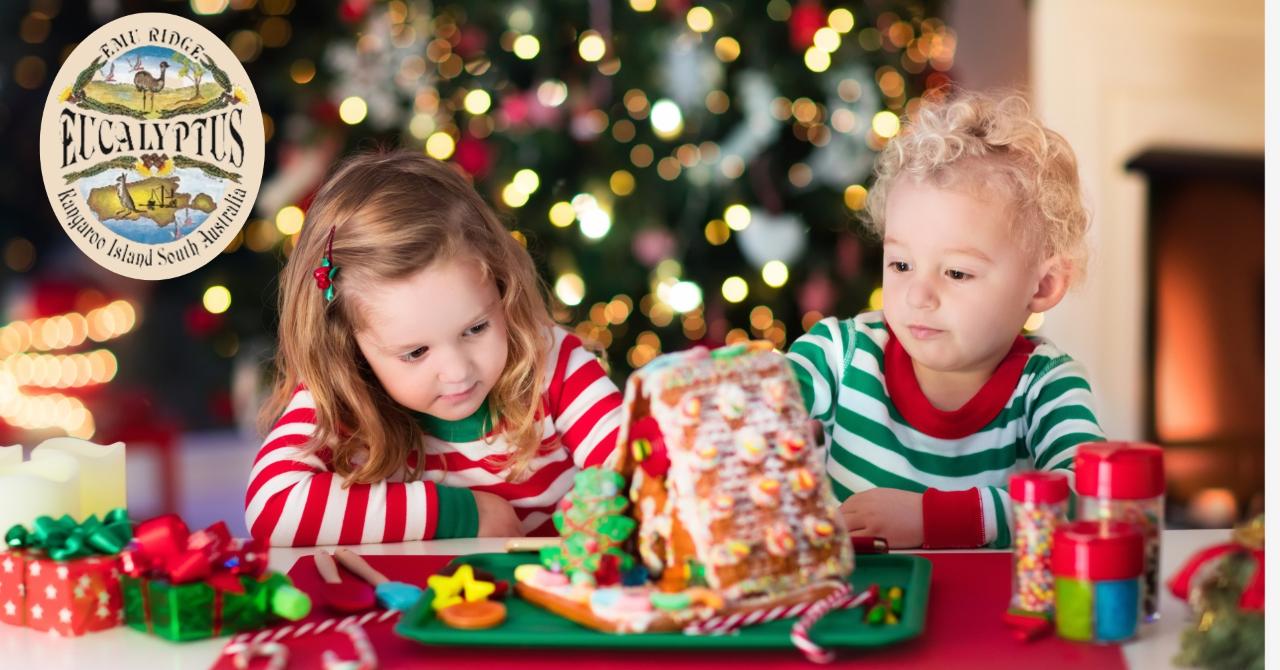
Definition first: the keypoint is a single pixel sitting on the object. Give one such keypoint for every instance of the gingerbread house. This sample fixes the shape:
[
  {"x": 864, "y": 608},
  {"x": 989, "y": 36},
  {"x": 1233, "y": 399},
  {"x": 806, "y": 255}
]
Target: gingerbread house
[{"x": 727, "y": 491}]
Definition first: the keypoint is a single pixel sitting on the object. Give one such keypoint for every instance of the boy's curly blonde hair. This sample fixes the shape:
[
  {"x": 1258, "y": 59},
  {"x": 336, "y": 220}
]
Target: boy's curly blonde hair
[{"x": 994, "y": 146}]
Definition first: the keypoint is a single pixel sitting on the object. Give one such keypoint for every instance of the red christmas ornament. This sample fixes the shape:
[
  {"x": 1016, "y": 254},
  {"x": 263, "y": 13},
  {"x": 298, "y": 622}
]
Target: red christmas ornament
[
  {"x": 324, "y": 112},
  {"x": 471, "y": 42},
  {"x": 474, "y": 156},
  {"x": 818, "y": 294},
  {"x": 848, "y": 257},
  {"x": 807, "y": 17},
  {"x": 515, "y": 109},
  {"x": 199, "y": 322},
  {"x": 353, "y": 10}
]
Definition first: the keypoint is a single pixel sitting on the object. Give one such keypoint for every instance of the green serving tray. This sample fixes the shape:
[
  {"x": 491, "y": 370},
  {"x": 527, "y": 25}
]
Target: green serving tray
[{"x": 528, "y": 625}]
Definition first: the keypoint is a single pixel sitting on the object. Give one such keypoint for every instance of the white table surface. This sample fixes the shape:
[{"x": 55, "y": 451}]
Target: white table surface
[{"x": 126, "y": 648}]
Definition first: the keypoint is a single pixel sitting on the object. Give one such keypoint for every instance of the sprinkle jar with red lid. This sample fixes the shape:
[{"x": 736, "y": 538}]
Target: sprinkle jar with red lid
[
  {"x": 1039, "y": 507},
  {"x": 1124, "y": 481},
  {"x": 1097, "y": 569}
]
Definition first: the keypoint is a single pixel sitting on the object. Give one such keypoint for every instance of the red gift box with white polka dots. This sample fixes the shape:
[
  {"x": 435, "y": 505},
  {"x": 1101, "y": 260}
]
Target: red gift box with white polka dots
[{"x": 68, "y": 598}]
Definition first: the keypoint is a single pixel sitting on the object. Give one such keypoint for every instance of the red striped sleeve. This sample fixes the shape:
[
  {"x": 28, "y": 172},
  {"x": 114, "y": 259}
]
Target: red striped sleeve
[
  {"x": 591, "y": 432},
  {"x": 274, "y": 514},
  {"x": 265, "y": 524},
  {"x": 353, "y": 520},
  {"x": 394, "y": 529},
  {"x": 433, "y": 510},
  {"x": 555, "y": 388},
  {"x": 581, "y": 428},
  {"x": 313, "y": 511},
  {"x": 603, "y": 450}
]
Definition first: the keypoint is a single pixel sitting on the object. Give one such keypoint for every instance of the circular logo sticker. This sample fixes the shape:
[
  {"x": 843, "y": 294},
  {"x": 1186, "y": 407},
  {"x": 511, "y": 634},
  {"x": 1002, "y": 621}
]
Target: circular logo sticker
[{"x": 151, "y": 145}]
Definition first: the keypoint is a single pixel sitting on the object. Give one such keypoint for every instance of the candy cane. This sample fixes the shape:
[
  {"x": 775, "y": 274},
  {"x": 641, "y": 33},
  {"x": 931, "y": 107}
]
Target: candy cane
[
  {"x": 800, "y": 631},
  {"x": 723, "y": 625},
  {"x": 243, "y": 653},
  {"x": 366, "y": 658},
  {"x": 315, "y": 627}
]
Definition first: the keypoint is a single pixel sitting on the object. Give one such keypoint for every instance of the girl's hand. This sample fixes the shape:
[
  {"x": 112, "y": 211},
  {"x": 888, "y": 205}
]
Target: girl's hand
[
  {"x": 497, "y": 518},
  {"x": 895, "y": 515}
]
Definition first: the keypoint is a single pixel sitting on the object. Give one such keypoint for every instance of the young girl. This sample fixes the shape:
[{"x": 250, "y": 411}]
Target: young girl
[{"x": 423, "y": 390}]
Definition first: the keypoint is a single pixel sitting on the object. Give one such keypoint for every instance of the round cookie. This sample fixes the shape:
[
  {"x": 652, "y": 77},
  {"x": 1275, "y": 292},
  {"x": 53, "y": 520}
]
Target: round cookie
[{"x": 473, "y": 615}]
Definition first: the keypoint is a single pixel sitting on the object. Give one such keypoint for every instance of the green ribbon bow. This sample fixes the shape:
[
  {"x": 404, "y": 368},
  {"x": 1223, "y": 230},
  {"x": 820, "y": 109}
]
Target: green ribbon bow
[{"x": 64, "y": 539}]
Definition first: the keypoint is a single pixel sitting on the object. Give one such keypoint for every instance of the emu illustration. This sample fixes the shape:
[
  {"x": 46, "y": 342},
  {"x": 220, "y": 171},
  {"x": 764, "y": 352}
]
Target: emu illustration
[
  {"x": 144, "y": 82},
  {"x": 127, "y": 205}
]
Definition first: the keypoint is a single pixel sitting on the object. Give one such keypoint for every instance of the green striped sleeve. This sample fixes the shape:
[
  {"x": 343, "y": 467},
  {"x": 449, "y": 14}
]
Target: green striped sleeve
[
  {"x": 817, "y": 358},
  {"x": 1060, "y": 412},
  {"x": 997, "y": 517}
]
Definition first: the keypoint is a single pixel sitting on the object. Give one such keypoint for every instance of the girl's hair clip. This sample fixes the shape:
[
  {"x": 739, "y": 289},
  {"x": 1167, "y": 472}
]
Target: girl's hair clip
[{"x": 327, "y": 272}]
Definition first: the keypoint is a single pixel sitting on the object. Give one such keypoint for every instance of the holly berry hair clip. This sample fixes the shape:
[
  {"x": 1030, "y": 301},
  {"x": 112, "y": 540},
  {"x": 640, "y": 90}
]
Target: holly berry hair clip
[{"x": 327, "y": 272}]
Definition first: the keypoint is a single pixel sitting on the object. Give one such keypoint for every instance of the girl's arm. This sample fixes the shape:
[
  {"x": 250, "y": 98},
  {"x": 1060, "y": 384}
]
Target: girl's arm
[
  {"x": 585, "y": 405},
  {"x": 295, "y": 499}
]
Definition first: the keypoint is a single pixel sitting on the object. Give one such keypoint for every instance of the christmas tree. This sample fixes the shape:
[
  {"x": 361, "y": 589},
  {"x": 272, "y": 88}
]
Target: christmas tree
[{"x": 683, "y": 173}]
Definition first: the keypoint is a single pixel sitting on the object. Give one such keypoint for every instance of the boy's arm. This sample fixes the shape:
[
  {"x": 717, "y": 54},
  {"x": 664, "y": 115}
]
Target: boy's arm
[
  {"x": 1060, "y": 417},
  {"x": 586, "y": 406},
  {"x": 817, "y": 358},
  {"x": 295, "y": 499}
]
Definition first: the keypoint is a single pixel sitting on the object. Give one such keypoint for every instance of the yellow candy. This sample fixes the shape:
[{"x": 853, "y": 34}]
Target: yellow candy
[{"x": 526, "y": 572}]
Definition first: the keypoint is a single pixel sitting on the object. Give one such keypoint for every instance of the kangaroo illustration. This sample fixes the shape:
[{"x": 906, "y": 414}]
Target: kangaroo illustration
[
  {"x": 144, "y": 82},
  {"x": 109, "y": 75},
  {"x": 127, "y": 205}
]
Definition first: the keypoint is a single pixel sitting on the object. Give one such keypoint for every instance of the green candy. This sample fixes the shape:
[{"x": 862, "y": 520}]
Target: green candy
[
  {"x": 290, "y": 603},
  {"x": 875, "y": 617},
  {"x": 895, "y": 600},
  {"x": 670, "y": 602},
  {"x": 697, "y": 573},
  {"x": 724, "y": 353}
]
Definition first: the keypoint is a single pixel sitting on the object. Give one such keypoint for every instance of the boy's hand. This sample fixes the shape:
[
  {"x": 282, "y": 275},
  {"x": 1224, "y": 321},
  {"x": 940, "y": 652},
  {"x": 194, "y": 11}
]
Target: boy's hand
[
  {"x": 497, "y": 518},
  {"x": 893, "y": 514}
]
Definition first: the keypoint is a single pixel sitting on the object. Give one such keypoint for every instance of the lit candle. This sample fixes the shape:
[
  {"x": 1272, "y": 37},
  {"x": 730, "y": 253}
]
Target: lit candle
[
  {"x": 28, "y": 489},
  {"x": 102, "y": 472}
]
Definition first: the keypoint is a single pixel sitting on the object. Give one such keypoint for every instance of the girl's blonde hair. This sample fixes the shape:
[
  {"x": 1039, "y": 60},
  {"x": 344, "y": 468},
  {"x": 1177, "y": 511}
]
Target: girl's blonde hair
[
  {"x": 986, "y": 143},
  {"x": 394, "y": 214}
]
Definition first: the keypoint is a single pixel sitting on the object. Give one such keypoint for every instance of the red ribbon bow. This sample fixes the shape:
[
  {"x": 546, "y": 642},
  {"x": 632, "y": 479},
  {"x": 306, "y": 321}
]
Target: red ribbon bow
[
  {"x": 164, "y": 548},
  {"x": 1253, "y": 595}
]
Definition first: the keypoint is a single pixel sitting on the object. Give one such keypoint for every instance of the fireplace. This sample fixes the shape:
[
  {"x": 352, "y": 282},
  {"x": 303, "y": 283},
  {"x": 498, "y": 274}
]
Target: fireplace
[{"x": 1204, "y": 328}]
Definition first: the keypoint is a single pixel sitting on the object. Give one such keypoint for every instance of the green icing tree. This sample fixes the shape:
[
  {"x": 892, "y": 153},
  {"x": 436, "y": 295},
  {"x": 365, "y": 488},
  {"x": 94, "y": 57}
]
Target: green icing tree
[{"x": 593, "y": 524}]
